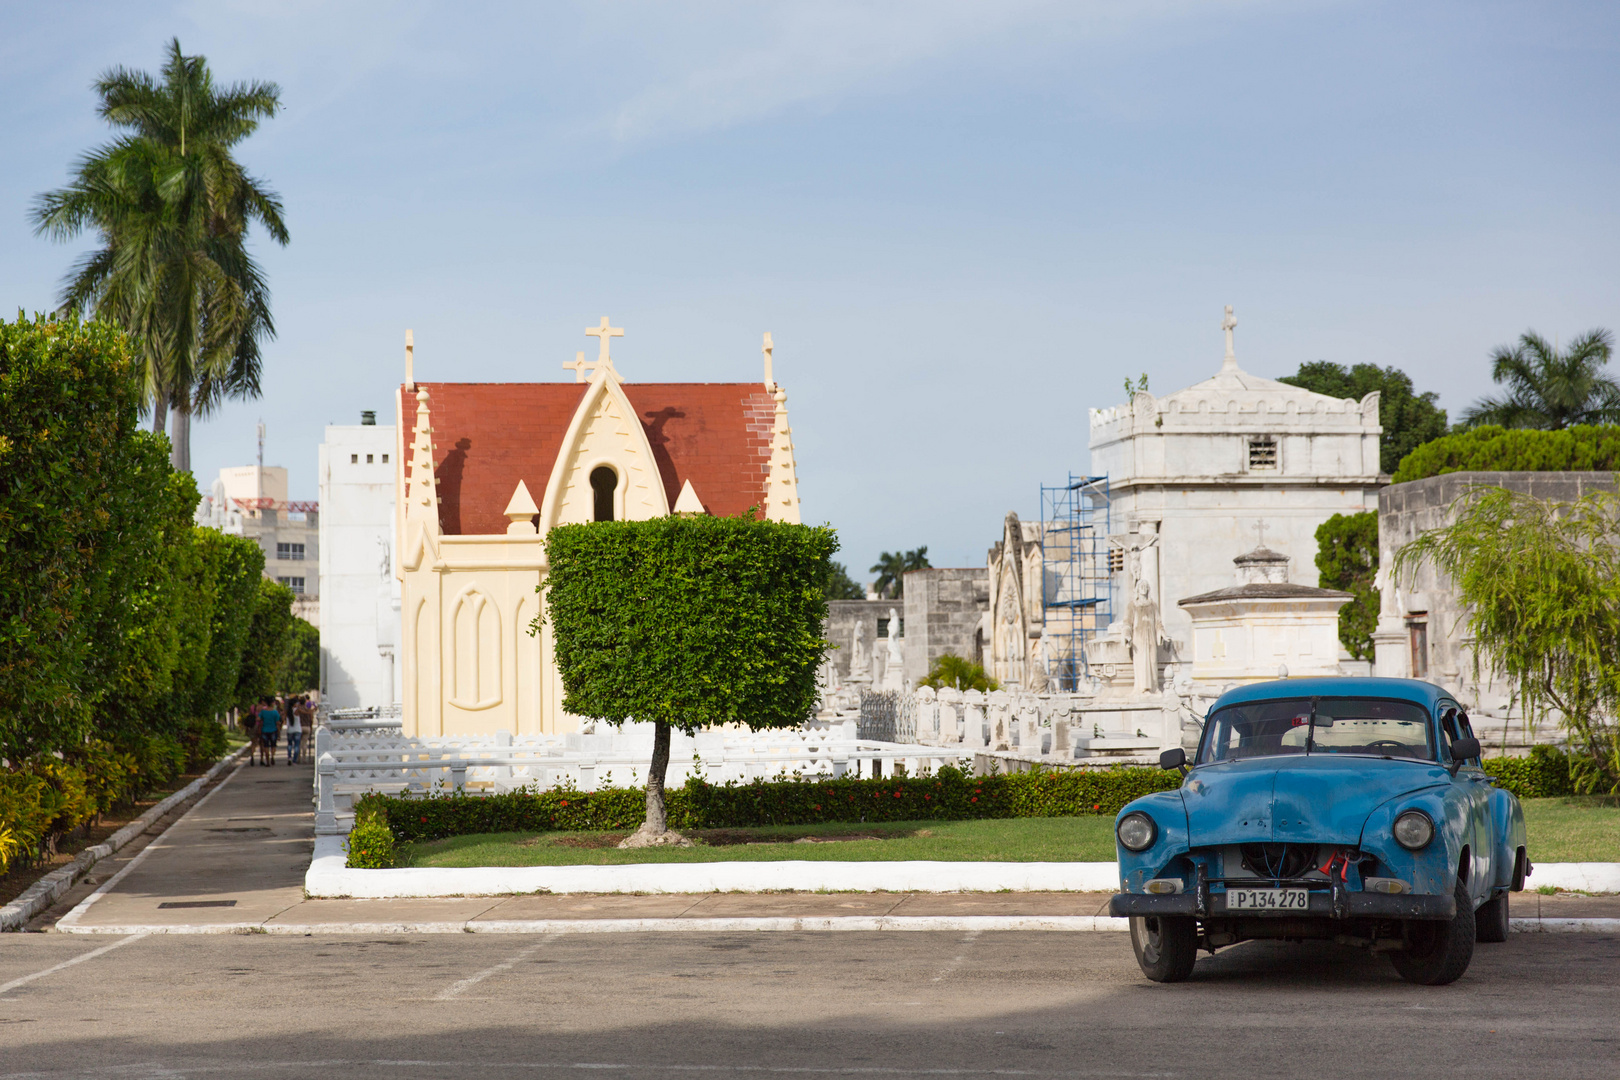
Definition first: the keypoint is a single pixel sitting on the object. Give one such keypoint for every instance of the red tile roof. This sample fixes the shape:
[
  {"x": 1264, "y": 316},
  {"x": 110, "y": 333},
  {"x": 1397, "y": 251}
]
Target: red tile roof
[{"x": 488, "y": 436}]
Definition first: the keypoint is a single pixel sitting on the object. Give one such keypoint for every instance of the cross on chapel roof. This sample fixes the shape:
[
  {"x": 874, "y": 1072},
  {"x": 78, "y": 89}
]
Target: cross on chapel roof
[{"x": 604, "y": 361}]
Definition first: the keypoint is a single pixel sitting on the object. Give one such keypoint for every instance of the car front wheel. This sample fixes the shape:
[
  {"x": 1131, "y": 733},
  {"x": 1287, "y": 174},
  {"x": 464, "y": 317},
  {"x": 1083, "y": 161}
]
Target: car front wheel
[
  {"x": 1440, "y": 951},
  {"x": 1166, "y": 946}
]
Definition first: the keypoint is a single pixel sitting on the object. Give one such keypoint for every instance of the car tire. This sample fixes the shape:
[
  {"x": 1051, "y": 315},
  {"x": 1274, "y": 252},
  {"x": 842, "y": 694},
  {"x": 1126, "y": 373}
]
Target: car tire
[
  {"x": 1491, "y": 920},
  {"x": 1440, "y": 951},
  {"x": 1166, "y": 945}
]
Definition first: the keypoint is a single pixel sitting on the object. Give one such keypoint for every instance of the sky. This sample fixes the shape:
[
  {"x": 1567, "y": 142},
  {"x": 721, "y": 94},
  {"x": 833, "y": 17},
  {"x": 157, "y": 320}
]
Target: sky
[{"x": 964, "y": 224}]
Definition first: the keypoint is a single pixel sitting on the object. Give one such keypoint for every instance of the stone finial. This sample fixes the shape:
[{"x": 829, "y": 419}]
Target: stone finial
[
  {"x": 1228, "y": 324},
  {"x": 422, "y": 499},
  {"x": 767, "y": 348},
  {"x": 520, "y": 512},
  {"x": 688, "y": 502},
  {"x": 782, "y": 483}
]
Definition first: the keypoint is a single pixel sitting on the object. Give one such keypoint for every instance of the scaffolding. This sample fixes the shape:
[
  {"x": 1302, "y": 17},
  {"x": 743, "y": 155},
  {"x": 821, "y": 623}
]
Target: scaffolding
[{"x": 1078, "y": 585}]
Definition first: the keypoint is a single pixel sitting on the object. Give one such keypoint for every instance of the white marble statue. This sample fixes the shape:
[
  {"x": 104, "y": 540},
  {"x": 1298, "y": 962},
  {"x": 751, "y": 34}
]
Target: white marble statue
[
  {"x": 860, "y": 663},
  {"x": 1143, "y": 633}
]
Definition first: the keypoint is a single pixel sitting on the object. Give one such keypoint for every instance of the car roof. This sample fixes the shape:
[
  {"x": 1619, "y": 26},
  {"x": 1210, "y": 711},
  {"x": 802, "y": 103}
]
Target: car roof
[{"x": 1415, "y": 690}]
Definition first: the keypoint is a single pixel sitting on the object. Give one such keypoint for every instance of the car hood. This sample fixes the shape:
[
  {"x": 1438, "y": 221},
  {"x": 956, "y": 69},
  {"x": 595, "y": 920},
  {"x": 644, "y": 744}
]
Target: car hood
[{"x": 1323, "y": 798}]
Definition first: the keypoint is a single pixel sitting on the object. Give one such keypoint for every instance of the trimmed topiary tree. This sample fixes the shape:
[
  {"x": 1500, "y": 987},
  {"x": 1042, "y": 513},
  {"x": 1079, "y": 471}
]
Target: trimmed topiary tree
[
  {"x": 1583, "y": 448},
  {"x": 687, "y": 622}
]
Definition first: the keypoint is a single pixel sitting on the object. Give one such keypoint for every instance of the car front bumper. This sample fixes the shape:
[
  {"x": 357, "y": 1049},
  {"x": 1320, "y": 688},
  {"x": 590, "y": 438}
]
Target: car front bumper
[{"x": 1357, "y": 905}]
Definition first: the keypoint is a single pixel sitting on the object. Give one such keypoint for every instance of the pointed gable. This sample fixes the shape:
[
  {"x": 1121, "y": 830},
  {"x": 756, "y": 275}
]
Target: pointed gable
[{"x": 489, "y": 436}]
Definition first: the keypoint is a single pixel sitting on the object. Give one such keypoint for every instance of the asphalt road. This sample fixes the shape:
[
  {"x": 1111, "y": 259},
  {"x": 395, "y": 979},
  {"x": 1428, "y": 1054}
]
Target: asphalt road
[{"x": 895, "y": 1004}]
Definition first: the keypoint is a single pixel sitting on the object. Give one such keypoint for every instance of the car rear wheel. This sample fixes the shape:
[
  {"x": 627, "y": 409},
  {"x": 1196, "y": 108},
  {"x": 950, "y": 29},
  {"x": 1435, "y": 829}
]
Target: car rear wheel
[
  {"x": 1440, "y": 951},
  {"x": 1166, "y": 945},
  {"x": 1491, "y": 920}
]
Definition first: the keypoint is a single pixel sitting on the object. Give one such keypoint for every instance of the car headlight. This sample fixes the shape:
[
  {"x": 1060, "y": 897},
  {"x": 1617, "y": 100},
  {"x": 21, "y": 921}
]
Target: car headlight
[
  {"x": 1136, "y": 831},
  {"x": 1413, "y": 830}
]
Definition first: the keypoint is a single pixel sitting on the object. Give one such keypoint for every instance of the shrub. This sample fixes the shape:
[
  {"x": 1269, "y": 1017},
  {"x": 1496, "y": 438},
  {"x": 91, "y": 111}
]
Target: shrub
[
  {"x": 955, "y": 671},
  {"x": 371, "y": 843},
  {"x": 1584, "y": 447},
  {"x": 1544, "y": 774},
  {"x": 952, "y": 795}
]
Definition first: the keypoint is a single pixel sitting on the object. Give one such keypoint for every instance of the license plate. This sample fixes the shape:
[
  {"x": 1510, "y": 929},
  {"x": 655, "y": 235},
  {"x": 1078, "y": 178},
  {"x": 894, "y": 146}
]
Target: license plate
[{"x": 1267, "y": 899}]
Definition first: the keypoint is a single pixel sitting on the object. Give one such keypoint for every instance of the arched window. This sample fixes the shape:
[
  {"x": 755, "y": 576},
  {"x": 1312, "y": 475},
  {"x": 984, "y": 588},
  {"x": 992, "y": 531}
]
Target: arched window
[{"x": 603, "y": 482}]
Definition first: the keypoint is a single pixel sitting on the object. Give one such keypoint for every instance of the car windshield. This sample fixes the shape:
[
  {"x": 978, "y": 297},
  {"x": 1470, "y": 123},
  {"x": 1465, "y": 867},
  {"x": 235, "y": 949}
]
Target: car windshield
[{"x": 1396, "y": 729}]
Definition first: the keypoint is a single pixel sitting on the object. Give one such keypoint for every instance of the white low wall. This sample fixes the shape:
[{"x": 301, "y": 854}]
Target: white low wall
[{"x": 328, "y": 877}]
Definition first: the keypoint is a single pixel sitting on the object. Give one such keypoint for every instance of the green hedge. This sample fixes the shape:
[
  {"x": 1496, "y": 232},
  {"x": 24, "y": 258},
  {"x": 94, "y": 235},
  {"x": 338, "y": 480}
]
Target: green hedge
[
  {"x": 951, "y": 795},
  {"x": 47, "y": 798},
  {"x": 1583, "y": 448},
  {"x": 1544, "y": 774}
]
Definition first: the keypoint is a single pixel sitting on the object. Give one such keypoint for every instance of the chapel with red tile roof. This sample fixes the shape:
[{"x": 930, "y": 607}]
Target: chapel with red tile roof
[{"x": 492, "y": 467}]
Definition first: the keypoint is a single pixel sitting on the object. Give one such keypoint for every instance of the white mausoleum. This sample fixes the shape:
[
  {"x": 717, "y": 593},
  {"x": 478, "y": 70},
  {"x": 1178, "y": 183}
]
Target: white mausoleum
[{"x": 1200, "y": 476}]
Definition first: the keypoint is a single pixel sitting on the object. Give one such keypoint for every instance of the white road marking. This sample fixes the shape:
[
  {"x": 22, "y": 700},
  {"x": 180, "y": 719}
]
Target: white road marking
[
  {"x": 71, "y": 919},
  {"x": 956, "y": 962},
  {"x": 459, "y": 1066},
  {"x": 81, "y": 958},
  {"x": 455, "y": 989}
]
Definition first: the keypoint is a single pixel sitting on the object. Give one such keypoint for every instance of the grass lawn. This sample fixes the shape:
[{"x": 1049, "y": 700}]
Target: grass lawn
[
  {"x": 1579, "y": 828},
  {"x": 1575, "y": 829},
  {"x": 1077, "y": 839}
]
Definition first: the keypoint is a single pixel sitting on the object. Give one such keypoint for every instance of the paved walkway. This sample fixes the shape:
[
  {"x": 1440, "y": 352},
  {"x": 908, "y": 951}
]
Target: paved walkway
[{"x": 236, "y": 862}]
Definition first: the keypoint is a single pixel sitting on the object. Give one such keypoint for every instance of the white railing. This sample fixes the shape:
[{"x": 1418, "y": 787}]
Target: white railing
[
  {"x": 1054, "y": 727},
  {"x": 352, "y": 760}
]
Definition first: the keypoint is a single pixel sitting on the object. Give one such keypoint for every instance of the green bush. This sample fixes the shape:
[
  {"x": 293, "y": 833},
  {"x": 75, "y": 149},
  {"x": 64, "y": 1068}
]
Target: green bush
[
  {"x": 1544, "y": 774},
  {"x": 371, "y": 842},
  {"x": 1583, "y": 448},
  {"x": 204, "y": 742},
  {"x": 951, "y": 670},
  {"x": 951, "y": 795},
  {"x": 1347, "y": 559}
]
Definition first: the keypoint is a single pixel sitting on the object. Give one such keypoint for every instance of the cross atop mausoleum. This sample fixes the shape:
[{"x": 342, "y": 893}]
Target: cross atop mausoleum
[
  {"x": 1259, "y": 526},
  {"x": 1228, "y": 324},
  {"x": 579, "y": 367},
  {"x": 767, "y": 348}
]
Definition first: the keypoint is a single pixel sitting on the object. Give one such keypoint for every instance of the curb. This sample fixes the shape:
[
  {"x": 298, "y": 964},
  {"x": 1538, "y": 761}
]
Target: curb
[
  {"x": 328, "y": 877},
  {"x": 840, "y": 923},
  {"x": 45, "y": 892}
]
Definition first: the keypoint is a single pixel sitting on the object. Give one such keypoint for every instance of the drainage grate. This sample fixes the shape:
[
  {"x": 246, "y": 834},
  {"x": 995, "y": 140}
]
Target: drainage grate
[
  {"x": 196, "y": 903},
  {"x": 244, "y": 830}
]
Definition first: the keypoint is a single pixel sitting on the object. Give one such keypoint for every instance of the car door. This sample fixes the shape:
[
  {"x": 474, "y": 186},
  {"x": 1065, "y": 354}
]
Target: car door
[{"x": 1474, "y": 785}]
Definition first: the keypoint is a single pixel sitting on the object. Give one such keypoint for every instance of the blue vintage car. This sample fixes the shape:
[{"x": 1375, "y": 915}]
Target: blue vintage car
[{"x": 1351, "y": 810}]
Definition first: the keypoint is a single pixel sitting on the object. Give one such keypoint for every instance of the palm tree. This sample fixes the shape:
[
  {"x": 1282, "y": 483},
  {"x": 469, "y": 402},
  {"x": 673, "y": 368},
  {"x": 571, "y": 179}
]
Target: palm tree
[
  {"x": 172, "y": 209},
  {"x": 1549, "y": 389},
  {"x": 891, "y": 570}
]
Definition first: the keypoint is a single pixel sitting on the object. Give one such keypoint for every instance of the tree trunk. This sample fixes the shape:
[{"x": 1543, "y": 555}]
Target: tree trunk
[
  {"x": 655, "y": 831},
  {"x": 180, "y": 441},
  {"x": 160, "y": 413},
  {"x": 657, "y": 820}
]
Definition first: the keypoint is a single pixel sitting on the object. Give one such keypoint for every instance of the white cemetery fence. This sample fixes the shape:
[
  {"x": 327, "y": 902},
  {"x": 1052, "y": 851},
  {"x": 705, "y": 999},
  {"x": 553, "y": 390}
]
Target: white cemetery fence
[
  {"x": 359, "y": 755},
  {"x": 1014, "y": 730},
  {"x": 363, "y": 750}
]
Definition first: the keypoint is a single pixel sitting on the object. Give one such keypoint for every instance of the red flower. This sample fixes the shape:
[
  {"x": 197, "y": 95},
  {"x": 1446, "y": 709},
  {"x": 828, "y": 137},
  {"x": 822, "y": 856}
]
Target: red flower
[
  {"x": 973, "y": 800},
  {"x": 928, "y": 796},
  {"x": 565, "y": 802},
  {"x": 897, "y": 794},
  {"x": 424, "y": 818}
]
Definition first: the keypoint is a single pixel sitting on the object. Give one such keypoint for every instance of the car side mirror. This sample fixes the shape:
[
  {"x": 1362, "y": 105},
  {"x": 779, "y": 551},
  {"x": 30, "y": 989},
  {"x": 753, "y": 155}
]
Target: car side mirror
[
  {"x": 1463, "y": 749},
  {"x": 1174, "y": 758}
]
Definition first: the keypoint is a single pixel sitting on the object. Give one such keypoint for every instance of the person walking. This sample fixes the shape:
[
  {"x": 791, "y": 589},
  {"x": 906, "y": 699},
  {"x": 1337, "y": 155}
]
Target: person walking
[
  {"x": 295, "y": 730},
  {"x": 269, "y": 727},
  {"x": 250, "y": 727}
]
